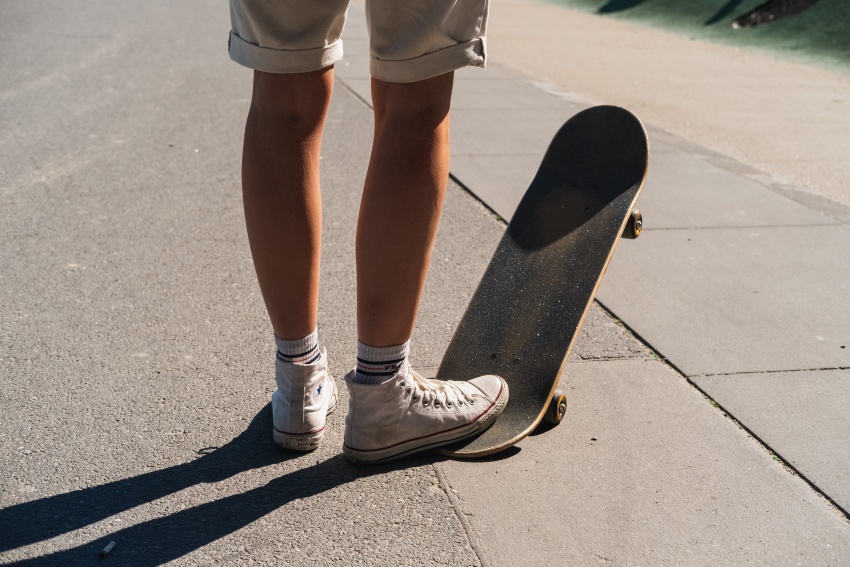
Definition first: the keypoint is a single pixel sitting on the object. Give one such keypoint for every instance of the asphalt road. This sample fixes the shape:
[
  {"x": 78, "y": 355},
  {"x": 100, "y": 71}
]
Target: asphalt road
[{"x": 136, "y": 356}]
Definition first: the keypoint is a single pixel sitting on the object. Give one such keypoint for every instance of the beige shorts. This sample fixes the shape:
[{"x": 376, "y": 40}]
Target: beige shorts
[{"x": 410, "y": 40}]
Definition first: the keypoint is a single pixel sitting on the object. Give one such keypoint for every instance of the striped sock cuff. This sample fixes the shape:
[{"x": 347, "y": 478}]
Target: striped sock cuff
[
  {"x": 378, "y": 364},
  {"x": 299, "y": 351}
]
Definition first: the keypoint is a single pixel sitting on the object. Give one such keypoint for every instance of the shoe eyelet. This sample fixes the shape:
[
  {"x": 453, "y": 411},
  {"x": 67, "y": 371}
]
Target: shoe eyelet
[
  {"x": 449, "y": 404},
  {"x": 408, "y": 390},
  {"x": 402, "y": 384},
  {"x": 437, "y": 404}
]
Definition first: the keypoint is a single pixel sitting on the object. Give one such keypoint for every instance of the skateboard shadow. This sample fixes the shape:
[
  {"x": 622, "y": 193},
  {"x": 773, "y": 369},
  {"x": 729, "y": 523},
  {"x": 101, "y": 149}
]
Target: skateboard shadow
[
  {"x": 543, "y": 427},
  {"x": 166, "y": 538},
  {"x": 500, "y": 456}
]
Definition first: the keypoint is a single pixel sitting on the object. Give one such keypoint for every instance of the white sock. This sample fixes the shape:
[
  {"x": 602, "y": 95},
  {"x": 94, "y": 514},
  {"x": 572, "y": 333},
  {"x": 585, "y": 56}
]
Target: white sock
[
  {"x": 376, "y": 365},
  {"x": 299, "y": 351}
]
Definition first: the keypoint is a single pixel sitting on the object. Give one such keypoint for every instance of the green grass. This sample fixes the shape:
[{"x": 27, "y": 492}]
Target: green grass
[{"x": 818, "y": 36}]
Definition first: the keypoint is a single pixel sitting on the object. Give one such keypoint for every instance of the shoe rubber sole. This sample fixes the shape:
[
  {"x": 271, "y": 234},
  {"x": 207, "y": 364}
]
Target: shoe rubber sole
[
  {"x": 376, "y": 456},
  {"x": 303, "y": 441}
]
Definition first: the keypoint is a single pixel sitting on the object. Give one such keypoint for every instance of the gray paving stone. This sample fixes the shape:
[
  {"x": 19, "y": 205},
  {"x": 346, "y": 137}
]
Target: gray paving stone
[
  {"x": 360, "y": 87},
  {"x": 523, "y": 131},
  {"x": 731, "y": 300},
  {"x": 493, "y": 88},
  {"x": 683, "y": 188},
  {"x": 801, "y": 415},
  {"x": 686, "y": 191},
  {"x": 644, "y": 471},
  {"x": 604, "y": 338},
  {"x": 354, "y": 65},
  {"x": 473, "y": 94},
  {"x": 494, "y": 179}
]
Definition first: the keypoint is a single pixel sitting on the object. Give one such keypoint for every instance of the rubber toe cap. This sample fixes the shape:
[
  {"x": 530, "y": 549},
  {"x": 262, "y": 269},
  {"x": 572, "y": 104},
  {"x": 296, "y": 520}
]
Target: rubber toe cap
[{"x": 491, "y": 386}]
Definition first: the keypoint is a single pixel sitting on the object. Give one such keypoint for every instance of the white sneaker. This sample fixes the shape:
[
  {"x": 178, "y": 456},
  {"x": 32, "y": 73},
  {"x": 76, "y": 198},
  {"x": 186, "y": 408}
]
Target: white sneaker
[
  {"x": 409, "y": 413},
  {"x": 305, "y": 395}
]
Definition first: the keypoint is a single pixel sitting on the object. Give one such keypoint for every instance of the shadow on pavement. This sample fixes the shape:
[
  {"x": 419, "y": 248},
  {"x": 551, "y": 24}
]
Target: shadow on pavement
[
  {"x": 724, "y": 11},
  {"x": 770, "y": 11},
  {"x": 500, "y": 456},
  {"x": 618, "y": 6},
  {"x": 163, "y": 539}
]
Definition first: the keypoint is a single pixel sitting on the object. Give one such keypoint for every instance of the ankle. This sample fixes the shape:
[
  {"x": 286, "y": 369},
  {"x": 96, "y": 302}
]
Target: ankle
[
  {"x": 299, "y": 351},
  {"x": 376, "y": 365}
]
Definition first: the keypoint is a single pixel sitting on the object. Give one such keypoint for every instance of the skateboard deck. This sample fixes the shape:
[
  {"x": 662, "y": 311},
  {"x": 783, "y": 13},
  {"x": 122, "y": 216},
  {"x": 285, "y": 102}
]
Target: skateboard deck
[{"x": 523, "y": 319}]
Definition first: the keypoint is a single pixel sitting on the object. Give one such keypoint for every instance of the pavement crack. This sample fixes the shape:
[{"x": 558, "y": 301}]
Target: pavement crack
[
  {"x": 780, "y": 371},
  {"x": 790, "y": 468},
  {"x": 481, "y": 201},
  {"x": 467, "y": 527},
  {"x": 352, "y": 91}
]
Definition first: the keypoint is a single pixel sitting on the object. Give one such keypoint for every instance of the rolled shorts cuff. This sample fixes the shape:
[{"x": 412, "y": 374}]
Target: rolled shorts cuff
[
  {"x": 283, "y": 60},
  {"x": 472, "y": 53}
]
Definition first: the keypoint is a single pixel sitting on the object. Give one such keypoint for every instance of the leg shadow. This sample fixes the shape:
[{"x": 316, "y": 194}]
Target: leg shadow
[
  {"x": 43, "y": 519},
  {"x": 724, "y": 11},
  {"x": 163, "y": 539}
]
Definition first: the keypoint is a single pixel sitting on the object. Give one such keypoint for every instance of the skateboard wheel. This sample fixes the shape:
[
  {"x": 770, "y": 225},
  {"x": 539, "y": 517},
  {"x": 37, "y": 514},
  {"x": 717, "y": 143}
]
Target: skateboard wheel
[
  {"x": 557, "y": 408},
  {"x": 634, "y": 225}
]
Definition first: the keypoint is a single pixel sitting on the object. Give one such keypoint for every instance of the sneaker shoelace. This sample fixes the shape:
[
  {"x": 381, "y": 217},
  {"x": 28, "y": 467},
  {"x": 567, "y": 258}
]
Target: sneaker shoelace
[{"x": 438, "y": 392}]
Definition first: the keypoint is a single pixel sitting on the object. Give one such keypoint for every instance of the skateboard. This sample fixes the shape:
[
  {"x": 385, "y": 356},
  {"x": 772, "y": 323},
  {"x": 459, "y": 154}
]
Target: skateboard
[{"x": 523, "y": 319}]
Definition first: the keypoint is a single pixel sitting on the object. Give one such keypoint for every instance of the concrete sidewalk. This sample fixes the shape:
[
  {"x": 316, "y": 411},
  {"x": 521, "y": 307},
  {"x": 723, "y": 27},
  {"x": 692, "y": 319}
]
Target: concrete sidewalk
[
  {"x": 137, "y": 356},
  {"x": 743, "y": 280},
  {"x": 713, "y": 316},
  {"x": 788, "y": 121}
]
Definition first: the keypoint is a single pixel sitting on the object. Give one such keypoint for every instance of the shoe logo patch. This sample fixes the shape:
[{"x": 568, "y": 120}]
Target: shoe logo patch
[{"x": 319, "y": 391}]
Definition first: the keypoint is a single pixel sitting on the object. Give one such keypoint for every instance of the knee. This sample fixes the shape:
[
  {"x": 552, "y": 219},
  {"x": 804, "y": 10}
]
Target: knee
[
  {"x": 296, "y": 101},
  {"x": 422, "y": 103}
]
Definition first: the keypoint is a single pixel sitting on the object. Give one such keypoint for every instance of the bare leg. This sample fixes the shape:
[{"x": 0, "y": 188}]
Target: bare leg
[
  {"x": 401, "y": 205},
  {"x": 390, "y": 406},
  {"x": 280, "y": 189}
]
